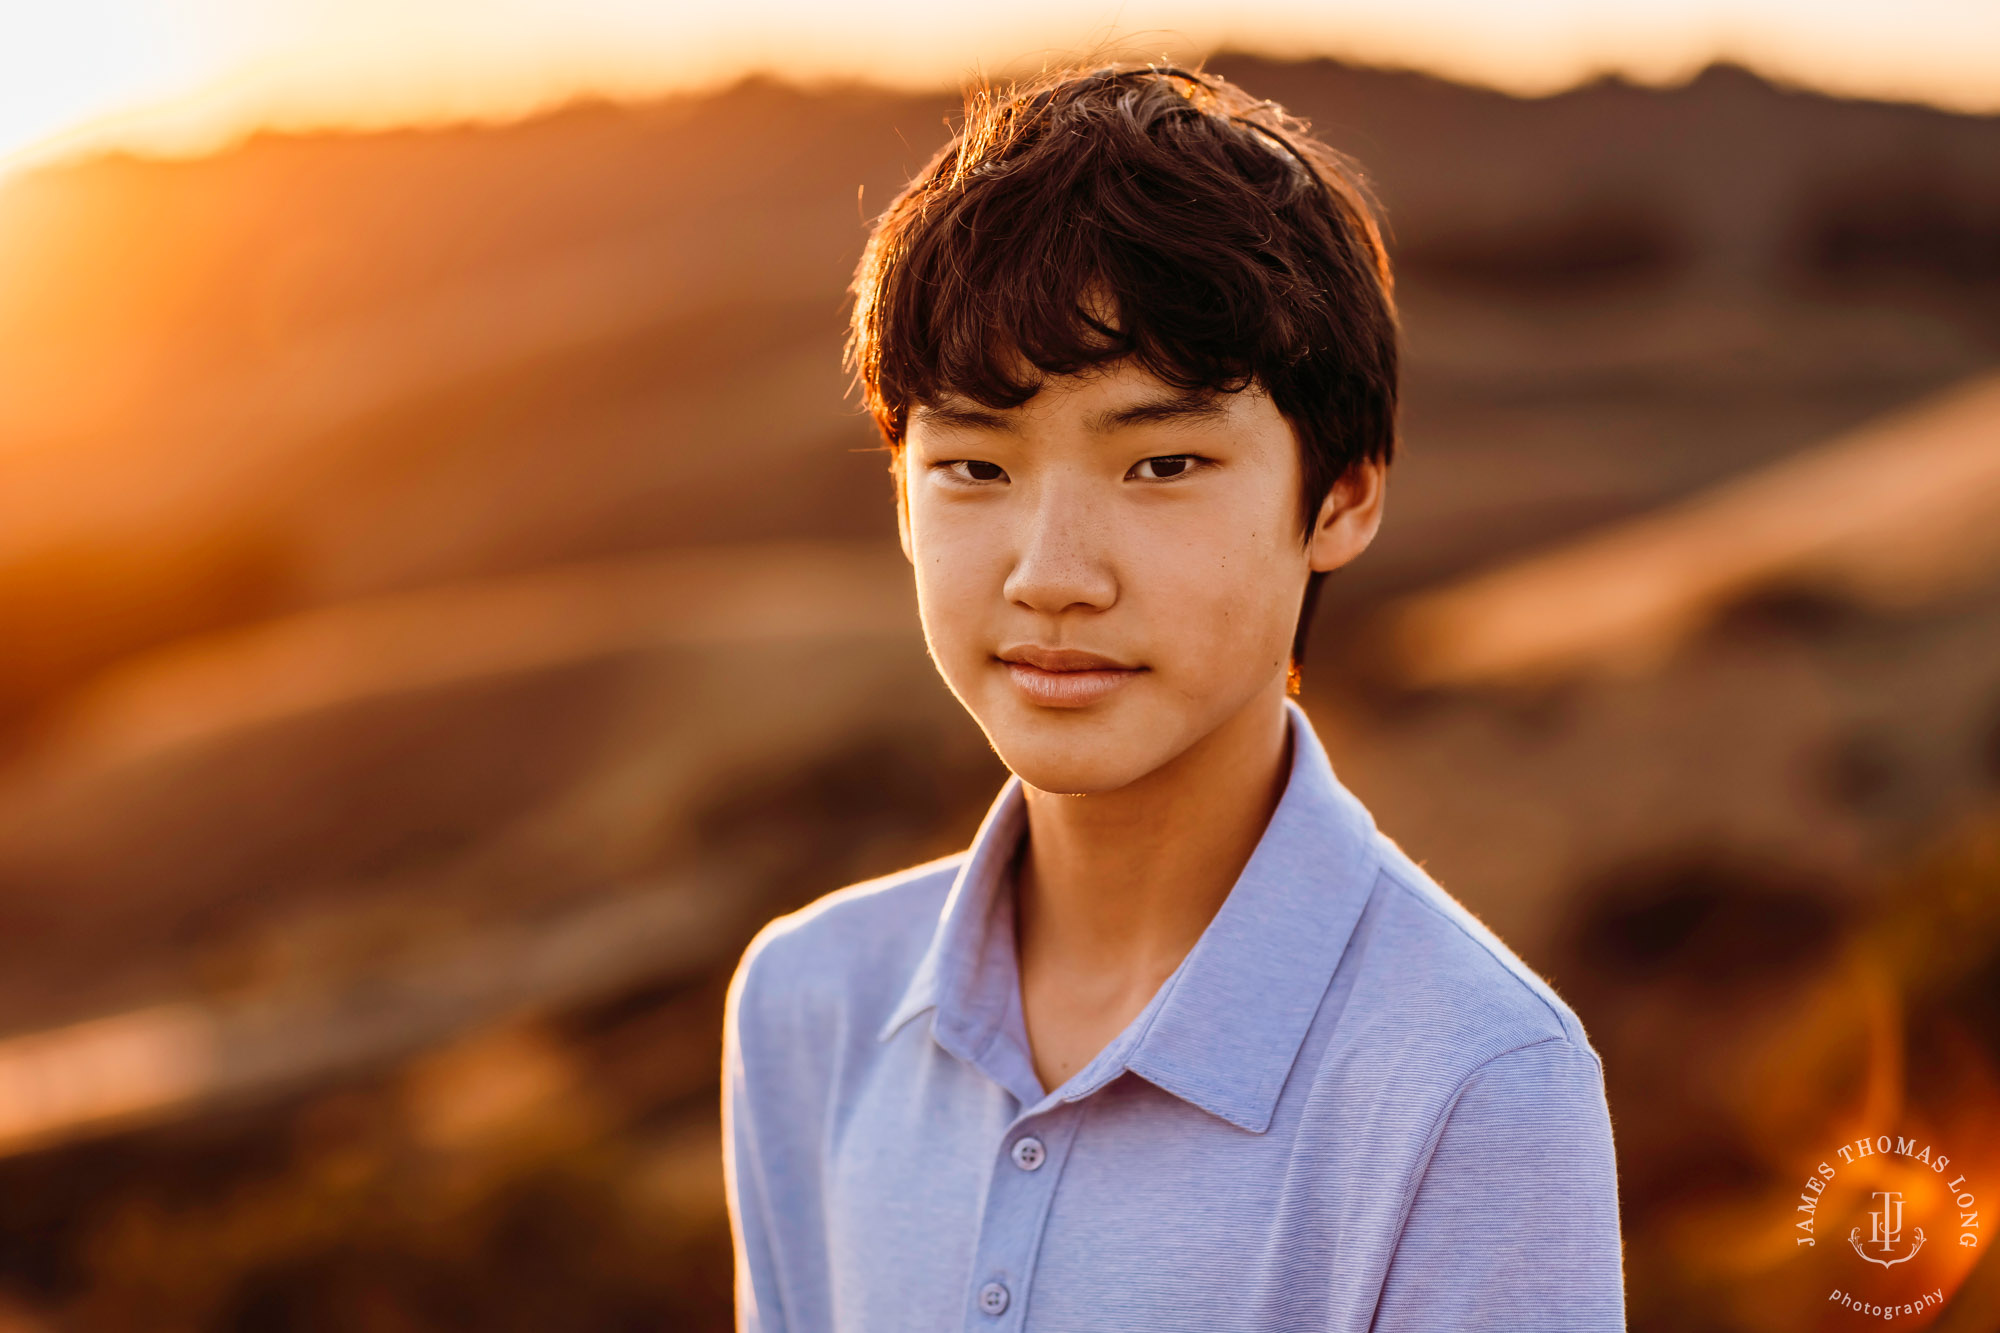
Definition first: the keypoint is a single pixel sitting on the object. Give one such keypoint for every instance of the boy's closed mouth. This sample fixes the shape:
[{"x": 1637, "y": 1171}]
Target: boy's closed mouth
[{"x": 1064, "y": 677}]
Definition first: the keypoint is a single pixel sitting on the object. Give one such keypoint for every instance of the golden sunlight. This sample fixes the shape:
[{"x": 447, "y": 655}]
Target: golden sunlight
[{"x": 181, "y": 76}]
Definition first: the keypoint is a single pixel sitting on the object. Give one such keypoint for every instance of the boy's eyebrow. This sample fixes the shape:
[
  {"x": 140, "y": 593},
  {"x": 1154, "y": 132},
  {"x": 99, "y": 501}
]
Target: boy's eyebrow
[
  {"x": 1191, "y": 404},
  {"x": 960, "y": 415}
]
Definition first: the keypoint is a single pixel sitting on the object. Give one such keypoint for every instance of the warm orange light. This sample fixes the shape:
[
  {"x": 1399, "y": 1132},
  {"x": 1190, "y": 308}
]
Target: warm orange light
[{"x": 188, "y": 75}]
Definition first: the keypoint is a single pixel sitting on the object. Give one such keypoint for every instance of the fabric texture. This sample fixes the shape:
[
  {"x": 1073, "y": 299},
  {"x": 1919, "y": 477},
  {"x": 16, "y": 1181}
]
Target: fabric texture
[{"x": 1350, "y": 1108}]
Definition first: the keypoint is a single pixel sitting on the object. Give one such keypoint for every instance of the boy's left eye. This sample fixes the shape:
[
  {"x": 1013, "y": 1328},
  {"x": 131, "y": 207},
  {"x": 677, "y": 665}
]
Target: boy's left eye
[{"x": 1165, "y": 467}]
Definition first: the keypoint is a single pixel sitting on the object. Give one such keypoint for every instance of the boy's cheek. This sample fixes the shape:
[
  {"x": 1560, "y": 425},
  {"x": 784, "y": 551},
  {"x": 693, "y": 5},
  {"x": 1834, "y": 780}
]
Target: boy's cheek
[
  {"x": 1221, "y": 603},
  {"x": 954, "y": 621}
]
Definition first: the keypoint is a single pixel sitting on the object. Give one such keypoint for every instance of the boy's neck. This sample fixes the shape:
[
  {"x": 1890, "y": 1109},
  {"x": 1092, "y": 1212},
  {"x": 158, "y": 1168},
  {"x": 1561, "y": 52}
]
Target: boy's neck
[{"x": 1113, "y": 889}]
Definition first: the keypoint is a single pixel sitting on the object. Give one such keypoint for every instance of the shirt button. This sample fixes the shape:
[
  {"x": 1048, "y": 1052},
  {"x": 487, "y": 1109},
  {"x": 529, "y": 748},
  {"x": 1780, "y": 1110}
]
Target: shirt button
[
  {"x": 993, "y": 1298},
  {"x": 1029, "y": 1153}
]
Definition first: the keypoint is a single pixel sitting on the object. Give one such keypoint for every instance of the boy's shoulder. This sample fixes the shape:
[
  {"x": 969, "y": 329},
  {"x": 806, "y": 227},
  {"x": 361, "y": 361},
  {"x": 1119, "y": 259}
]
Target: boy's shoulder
[
  {"x": 1432, "y": 974},
  {"x": 1427, "y": 979},
  {"x": 852, "y": 950}
]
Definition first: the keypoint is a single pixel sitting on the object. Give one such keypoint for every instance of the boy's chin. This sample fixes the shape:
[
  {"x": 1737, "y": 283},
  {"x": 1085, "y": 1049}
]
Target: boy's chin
[
  {"x": 1075, "y": 761},
  {"x": 1061, "y": 777}
]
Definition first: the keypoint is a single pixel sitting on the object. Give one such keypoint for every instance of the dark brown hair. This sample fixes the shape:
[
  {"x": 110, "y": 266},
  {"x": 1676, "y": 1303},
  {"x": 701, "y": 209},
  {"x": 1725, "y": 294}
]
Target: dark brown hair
[{"x": 1145, "y": 212}]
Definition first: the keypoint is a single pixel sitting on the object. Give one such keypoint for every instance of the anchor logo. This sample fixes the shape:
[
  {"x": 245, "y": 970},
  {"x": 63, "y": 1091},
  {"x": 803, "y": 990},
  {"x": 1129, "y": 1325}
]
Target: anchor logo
[{"x": 1885, "y": 1230}]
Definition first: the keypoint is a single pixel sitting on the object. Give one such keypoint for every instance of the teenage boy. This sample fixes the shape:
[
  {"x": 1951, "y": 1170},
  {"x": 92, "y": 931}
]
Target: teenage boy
[{"x": 1181, "y": 1041}]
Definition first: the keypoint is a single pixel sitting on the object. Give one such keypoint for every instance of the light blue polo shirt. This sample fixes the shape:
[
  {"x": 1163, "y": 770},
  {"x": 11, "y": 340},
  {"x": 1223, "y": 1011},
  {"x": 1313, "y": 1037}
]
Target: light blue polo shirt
[{"x": 1351, "y": 1107}]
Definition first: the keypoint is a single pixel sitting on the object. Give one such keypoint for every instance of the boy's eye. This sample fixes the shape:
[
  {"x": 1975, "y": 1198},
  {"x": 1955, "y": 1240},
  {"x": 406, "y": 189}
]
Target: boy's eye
[
  {"x": 1164, "y": 467},
  {"x": 973, "y": 469}
]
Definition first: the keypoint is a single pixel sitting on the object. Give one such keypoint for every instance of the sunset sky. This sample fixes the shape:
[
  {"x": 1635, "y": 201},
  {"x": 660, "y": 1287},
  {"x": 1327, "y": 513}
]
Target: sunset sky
[{"x": 189, "y": 75}]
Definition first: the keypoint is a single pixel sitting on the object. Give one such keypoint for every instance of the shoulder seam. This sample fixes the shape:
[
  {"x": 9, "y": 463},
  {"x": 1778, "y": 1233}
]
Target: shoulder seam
[
  {"x": 1422, "y": 1166},
  {"x": 1388, "y": 871}
]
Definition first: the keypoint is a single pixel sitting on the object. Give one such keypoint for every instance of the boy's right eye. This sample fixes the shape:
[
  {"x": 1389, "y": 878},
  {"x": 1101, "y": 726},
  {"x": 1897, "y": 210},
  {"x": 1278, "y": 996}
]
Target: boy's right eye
[{"x": 973, "y": 469}]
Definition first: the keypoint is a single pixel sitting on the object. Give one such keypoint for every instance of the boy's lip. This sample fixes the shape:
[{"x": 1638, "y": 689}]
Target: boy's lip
[
  {"x": 1061, "y": 659},
  {"x": 1064, "y": 677}
]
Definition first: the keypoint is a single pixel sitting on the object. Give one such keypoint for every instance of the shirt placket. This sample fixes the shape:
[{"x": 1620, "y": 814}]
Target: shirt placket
[{"x": 1025, "y": 1171}]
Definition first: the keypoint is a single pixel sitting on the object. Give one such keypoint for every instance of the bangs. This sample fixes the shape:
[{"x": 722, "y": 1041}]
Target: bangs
[
  {"x": 1012, "y": 285},
  {"x": 1122, "y": 214}
]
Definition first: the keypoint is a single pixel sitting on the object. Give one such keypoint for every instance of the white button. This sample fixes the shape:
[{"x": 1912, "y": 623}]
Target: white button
[
  {"x": 993, "y": 1298},
  {"x": 1029, "y": 1153}
]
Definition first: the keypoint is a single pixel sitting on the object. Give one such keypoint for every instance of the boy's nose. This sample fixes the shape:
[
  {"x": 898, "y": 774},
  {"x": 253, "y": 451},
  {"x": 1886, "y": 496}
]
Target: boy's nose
[{"x": 1060, "y": 560}]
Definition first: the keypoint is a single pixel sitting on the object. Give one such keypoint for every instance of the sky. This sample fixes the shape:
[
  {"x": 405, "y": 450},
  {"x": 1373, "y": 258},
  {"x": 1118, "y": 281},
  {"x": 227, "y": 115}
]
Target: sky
[{"x": 190, "y": 76}]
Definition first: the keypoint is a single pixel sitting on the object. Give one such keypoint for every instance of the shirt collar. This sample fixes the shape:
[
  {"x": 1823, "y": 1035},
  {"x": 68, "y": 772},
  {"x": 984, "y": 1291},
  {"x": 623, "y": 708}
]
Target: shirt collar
[{"x": 1225, "y": 1028}]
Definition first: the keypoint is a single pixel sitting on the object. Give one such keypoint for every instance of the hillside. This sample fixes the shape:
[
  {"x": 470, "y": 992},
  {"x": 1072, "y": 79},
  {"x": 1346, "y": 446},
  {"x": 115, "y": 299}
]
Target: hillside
[{"x": 449, "y": 598}]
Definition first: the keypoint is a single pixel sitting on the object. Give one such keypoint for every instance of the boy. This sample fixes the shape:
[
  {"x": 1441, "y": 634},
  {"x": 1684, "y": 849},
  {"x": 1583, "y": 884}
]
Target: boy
[{"x": 1180, "y": 1042}]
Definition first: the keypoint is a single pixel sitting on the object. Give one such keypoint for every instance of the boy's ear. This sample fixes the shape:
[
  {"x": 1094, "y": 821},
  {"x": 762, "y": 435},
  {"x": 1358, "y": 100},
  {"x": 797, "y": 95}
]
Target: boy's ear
[{"x": 1350, "y": 515}]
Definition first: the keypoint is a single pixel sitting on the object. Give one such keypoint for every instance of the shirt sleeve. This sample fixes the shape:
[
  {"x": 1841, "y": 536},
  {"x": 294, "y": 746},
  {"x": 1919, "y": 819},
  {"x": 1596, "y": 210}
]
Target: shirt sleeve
[
  {"x": 757, "y": 1305},
  {"x": 1514, "y": 1222}
]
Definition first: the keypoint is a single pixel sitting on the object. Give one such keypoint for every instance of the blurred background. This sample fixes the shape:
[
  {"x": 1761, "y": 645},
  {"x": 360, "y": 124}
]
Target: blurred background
[{"x": 449, "y": 599}]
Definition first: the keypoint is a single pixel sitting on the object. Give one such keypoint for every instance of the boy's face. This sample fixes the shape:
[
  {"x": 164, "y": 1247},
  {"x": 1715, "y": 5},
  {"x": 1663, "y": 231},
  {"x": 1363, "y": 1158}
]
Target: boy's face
[{"x": 1113, "y": 570}]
